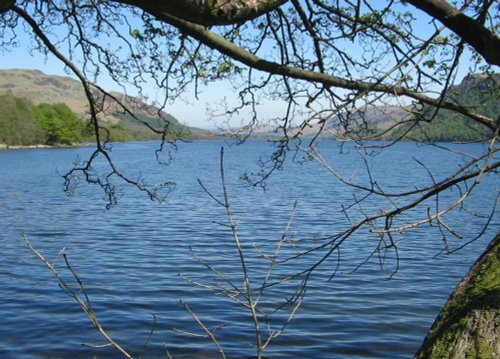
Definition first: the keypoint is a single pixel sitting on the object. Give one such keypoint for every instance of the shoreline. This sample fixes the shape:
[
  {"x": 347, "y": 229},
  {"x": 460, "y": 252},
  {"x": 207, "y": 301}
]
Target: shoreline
[{"x": 4, "y": 147}]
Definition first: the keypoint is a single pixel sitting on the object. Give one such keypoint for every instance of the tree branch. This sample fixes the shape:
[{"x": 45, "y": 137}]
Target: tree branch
[
  {"x": 228, "y": 48},
  {"x": 471, "y": 31},
  {"x": 5, "y": 5},
  {"x": 209, "y": 12}
]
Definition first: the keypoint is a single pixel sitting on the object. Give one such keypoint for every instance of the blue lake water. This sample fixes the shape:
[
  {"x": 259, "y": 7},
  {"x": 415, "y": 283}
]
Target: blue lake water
[{"x": 130, "y": 256}]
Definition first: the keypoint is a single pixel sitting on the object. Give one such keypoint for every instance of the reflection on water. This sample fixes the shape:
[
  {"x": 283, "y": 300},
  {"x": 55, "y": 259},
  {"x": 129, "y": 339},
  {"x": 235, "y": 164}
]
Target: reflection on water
[{"x": 130, "y": 256}]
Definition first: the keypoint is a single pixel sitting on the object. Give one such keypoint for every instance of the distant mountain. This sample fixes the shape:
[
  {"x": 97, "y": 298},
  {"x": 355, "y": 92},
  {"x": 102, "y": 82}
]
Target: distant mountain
[
  {"x": 477, "y": 92},
  {"x": 480, "y": 93},
  {"x": 374, "y": 120},
  {"x": 366, "y": 123},
  {"x": 39, "y": 88}
]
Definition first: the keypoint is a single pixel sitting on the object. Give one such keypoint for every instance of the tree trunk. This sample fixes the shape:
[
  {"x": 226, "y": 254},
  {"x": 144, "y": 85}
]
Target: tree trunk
[{"x": 467, "y": 326}]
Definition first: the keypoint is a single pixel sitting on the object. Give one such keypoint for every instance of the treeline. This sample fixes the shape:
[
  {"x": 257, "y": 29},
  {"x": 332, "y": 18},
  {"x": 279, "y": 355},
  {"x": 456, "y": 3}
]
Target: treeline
[
  {"x": 24, "y": 124},
  {"x": 446, "y": 126}
]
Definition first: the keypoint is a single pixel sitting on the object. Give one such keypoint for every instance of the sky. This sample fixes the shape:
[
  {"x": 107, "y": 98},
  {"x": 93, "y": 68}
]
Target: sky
[
  {"x": 190, "y": 109},
  {"x": 191, "y": 112}
]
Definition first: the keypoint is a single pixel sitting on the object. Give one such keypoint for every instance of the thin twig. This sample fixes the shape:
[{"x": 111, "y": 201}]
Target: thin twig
[
  {"x": 85, "y": 305},
  {"x": 205, "y": 329}
]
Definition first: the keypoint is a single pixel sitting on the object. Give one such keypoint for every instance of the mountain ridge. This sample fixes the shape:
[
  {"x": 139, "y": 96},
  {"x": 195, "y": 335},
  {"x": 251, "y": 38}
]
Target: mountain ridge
[
  {"x": 38, "y": 88},
  {"x": 478, "y": 92}
]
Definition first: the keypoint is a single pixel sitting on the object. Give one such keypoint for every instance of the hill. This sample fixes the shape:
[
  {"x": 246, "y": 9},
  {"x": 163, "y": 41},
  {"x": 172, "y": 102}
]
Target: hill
[
  {"x": 39, "y": 88},
  {"x": 477, "y": 92}
]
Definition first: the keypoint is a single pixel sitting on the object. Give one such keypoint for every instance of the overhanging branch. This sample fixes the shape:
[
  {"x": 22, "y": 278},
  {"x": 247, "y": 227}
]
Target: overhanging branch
[
  {"x": 209, "y": 12},
  {"x": 228, "y": 48},
  {"x": 471, "y": 31}
]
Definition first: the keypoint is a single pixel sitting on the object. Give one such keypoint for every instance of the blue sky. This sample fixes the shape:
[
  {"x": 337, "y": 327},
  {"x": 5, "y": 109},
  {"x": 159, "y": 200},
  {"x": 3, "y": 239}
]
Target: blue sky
[
  {"x": 188, "y": 110},
  {"x": 192, "y": 111}
]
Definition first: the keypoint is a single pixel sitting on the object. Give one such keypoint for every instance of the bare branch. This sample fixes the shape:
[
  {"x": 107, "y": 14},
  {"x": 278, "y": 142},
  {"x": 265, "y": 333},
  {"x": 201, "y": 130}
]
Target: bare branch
[
  {"x": 472, "y": 31},
  {"x": 84, "y": 302},
  {"x": 226, "y": 47},
  {"x": 205, "y": 329}
]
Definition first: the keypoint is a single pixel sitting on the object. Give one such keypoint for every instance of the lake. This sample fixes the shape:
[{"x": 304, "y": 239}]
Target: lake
[{"x": 130, "y": 256}]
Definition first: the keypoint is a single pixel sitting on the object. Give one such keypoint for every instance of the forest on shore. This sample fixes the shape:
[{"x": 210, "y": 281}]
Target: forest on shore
[{"x": 24, "y": 124}]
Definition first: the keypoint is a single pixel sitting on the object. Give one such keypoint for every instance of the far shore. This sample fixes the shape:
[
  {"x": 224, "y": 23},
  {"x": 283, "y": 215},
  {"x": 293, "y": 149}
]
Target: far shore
[{"x": 28, "y": 147}]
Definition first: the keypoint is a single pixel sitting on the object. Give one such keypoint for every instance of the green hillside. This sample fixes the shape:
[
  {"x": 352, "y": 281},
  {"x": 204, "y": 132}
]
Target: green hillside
[
  {"x": 26, "y": 90},
  {"x": 133, "y": 128},
  {"x": 479, "y": 93}
]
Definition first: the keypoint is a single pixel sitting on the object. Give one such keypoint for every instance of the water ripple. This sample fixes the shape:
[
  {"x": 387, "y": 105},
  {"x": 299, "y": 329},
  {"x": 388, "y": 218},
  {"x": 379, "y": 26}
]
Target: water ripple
[{"x": 130, "y": 257}]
